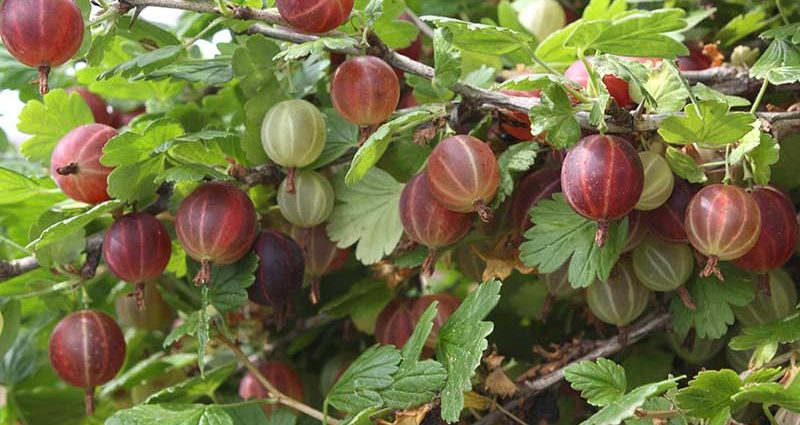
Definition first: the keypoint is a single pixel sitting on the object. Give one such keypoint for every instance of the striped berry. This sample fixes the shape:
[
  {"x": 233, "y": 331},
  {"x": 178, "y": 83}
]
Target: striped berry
[
  {"x": 322, "y": 256},
  {"x": 75, "y": 163},
  {"x": 311, "y": 202},
  {"x": 662, "y": 266},
  {"x": 279, "y": 274},
  {"x": 534, "y": 187},
  {"x": 315, "y": 16},
  {"x": 620, "y": 299},
  {"x": 365, "y": 90},
  {"x": 658, "y": 181},
  {"x": 777, "y": 303}
]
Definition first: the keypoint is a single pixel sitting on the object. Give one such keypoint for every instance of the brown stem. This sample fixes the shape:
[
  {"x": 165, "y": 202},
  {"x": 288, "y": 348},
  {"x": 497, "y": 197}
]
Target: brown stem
[
  {"x": 89, "y": 401},
  {"x": 290, "y": 180},
  {"x": 686, "y": 298},
  {"x": 484, "y": 212},
  {"x": 138, "y": 293},
  {"x": 71, "y": 168},
  {"x": 601, "y": 236},
  {"x": 763, "y": 284},
  {"x": 94, "y": 253},
  {"x": 314, "y": 290},
  {"x": 429, "y": 265},
  {"x": 204, "y": 274},
  {"x": 712, "y": 267},
  {"x": 44, "y": 72},
  {"x": 623, "y": 336}
]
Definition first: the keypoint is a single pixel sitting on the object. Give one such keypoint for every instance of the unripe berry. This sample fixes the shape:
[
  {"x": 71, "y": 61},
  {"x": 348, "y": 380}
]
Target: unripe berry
[
  {"x": 766, "y": 308},
  {"x": 658, "y": 181},
  {"x": 620, "y": 299},
  {"x": 311, "y": 202},
  {"x": 662, "y": 266}
]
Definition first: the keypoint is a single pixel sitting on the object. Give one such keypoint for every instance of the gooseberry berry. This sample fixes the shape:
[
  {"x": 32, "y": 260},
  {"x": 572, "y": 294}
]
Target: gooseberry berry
[
  {"x": 658, "y": 181},
  {"x": 620, "y": 299},
  {"x": 395, "y": 323},
  {"x": 280, "y": 375},
  {"x": 87, "y": 349},
  {"x": 120, "y": 118},
  {"x": 156, "y": 316},
  {"x": 41, "y": 34},
  {"x": 413, "y": 50},
  {"x": 75, "y": 163},
  {"x": 365, "y": 90},
  {"x": 321, "y": 255},
  {"x": 722, "y": 222},
  {"x": 637, "y": 231},
  {"x": 769, "y": 307},
  {"x": 538, "y": 185},
  {"x": 666, "y": 221},
  {"x": 542, "y": 17},
  {"x": 602, "y": 180},
  {"x": 696, "y": 351},
  {"x": 448, "y": 304},
  {"x": 96, "y": 104},
  {"x": 469, "y": 263},
  {"x": 279, "y": 275},
  {"x": 517, "y": 123},
  {"x": 617, "y": 87},
  {"x": 311, "y": 201},
  {"x": 662, "y": 266},
  {"x": 315, "y": 16},
  {"x": 427, "y": 222},
  {"x": 137, "y": 249},
  {"x": 293, "y": 135},
  {"x": 215, "y": 224},
  {"x": 464, "y": 175}
]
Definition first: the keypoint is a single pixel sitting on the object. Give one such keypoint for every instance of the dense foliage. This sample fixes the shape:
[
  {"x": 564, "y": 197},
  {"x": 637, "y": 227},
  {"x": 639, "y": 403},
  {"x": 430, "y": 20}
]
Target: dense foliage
[{"x": 407, "y": 212}]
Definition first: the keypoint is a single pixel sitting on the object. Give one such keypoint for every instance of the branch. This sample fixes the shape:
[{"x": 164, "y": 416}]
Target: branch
[
  {"x": 732, "y": 80},
  {"x": 12, "y": 268},
  {"x": 605, "y": 348}
]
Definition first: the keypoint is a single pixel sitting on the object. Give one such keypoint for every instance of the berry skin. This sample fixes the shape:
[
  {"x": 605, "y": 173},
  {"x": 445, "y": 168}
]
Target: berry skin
[
  {"x": 448, "y": 304},
  {"x": 722, "y": 222},
  {"x": 311, "y": 202},
  {"x": 662, "y": 266},
  {"x": 279, "y": 275},
  {"x": 658, "y": 181},
  {"x": 87, "y": 349},
  {"x": 280, "y": 375},
  {"x": 543, "y": 17},
  {"x": 516, "y": 123},
  {"x": 602, "y": 179},
  {"x": 96, "y": 104},
  {"x": 315, "y": 16},
  {"x": 365, "y": 90},
  {"x": 137, "y": 249},
  {"x": 696, "y": 351},
  {"x": 427, "y": 222},
  {"x": 322, "y": 256},
  {"x": 620, "y": 299},
  {"x": 777, "y": 304},
  {"x": 75, "y": 163},
  {"x": 637, "y": 231},
  {"x": 464, "y": 175},
  {"x": 396, "y": 323},
  {"x": 42, "y": 33},
  {"x": 534, "y": 187},
  {"x": 216, "y": 224},
  {"x": 666, "y": 221}
]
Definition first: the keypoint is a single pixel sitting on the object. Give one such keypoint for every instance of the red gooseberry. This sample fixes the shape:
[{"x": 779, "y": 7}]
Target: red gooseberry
[
  {"x": 322, "y": 256},
  {"x": 280, "y": 375},
  {"x": 315, "y": 16},
  {"x": 395, "y": 323},
  {"x": 96, "y": 104},
  {"x": 448, "y": 304},
  {"x": 279, "y": 274},
  {"x": 365, "y": 90},
  {"x": 534, "y": 187},
  {"x": 120, "y": 118},
  {"x": 75, "y": 163},
  {"x": 517, "y": 123}
]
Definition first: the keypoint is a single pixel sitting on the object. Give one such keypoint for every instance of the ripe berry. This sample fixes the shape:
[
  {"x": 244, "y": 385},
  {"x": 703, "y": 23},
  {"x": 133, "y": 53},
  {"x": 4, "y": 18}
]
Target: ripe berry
[
  {"x": 542, "y": 17},
  {"x": 516, "y": 123},
  {"x": 311, "y": 202},
  {"x": 87, "y": 349},
  {"x": 365, "y": 90},
  {"x": 464, "y": 175},
  {"x": 321, "y": 255},
  {"x": 41, "y": 34},
  {"x": 156, "y": 316},
  {"x": 617, "y": 87},
  {"x": 96, "y": 104},
  {"x": 637, "y": 231},
  {"x": 778, "y": 236},
  {"x": 658, "y": 181},
  {"x": 602, "y": 179},
  {"x": 315, "y": 16},
  {"x": 534, "y": 187},
  {"x": 620, "y": 299},
  {"x": 723, "y": 223},
  {"x": 280, "y": 375},
  {"x": 777, "y": 304},
  {"x": 75, "y": 163},
  {"x": 279, "y": 274},
  {"x": 395, "y": 324},
  {"x": 216, "y": 224},
  {"x": 137, "y": 248},
  {"x": 662, "y": 266},
  {"x": 666, "y": 221},
  {"x": 427, "y": 222},
  {"x": 448, "y": 304},
  {"x": 293, "y": 135}
]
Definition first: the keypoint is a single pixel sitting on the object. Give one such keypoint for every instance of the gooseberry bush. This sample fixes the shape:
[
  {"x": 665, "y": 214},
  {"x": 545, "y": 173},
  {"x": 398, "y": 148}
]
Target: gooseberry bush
[{"x": 399, "y": 211}]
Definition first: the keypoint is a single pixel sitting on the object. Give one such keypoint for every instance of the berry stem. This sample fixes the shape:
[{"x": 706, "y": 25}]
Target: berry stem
[
  {"x": 71, "y": 168},
  {"x": 315, "y": 290},
  {"x": 712, "y": 267},
  {"x": 430, "y": 262},
  {"x": 290, "y": 179},
  {"x": 204, "y": 274},
  {"x": 484, "y": 212},
  {"x": 763, "y": 284},
  {"x": 138, "y": 293},
  {"x": 601, "y": 236},
  {"x": 89, "y": 401},
  {"x": 686, "y": 298},
  {"x": 44, "y": 72}
]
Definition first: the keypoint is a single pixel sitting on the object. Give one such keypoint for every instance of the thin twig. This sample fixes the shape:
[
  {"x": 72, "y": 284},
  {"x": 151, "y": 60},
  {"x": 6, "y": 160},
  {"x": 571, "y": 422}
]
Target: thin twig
[{"x": 423, "y": 27}]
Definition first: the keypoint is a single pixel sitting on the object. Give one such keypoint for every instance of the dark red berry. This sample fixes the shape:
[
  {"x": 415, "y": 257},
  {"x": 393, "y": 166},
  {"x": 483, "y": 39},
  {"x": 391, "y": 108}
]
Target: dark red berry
[
  {"x": 696, "y": 61},
  {"x": 722, "y": 222},
  {"x": 666, "y": 221},
  {"x": 464, "y": 175},
  {"x": 137, "y": 248},
  {"x": 516, "y": 123},
  {"x": 96, "y": 104},
  {"x": 216, "y": 224},
  {"x": 534, "y": 187},
  {"x": 315, "y": 16},
  {"x": 448, "y": 304},
  {"x": 280, "y": 375},
  {"x": 87, "y": 349},
  {"x": 322, "y": 256},
  {"x": 618, "y": 88},
  {"x": 395, "y": 324},
  {"x": 427, "y": 222},
  {"x": 75, "y": 163},
  {"x": 41, "y": 33},
  {"x": 279, "y": 275},
  {"x": 602, "y": 179},
  {"x": 365, "y": 90}
]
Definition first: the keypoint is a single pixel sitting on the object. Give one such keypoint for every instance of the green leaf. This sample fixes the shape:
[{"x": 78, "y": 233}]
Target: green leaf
[
  {"x": 714, "y": 300},
  {"x": 17, "y": 187},
  {"x": 771, "y": 394},
  {"x": 230, "y": 282},
  {"x": 684, "y": 166},
  {"x": 144, "y": 63},
  {"x": 359, "y": 386},
  {"x": 741, "y": 26},
  {"x": 47, "y": 121},
  {"x": 604, "y": 9},
  {"x": 363, "y": 303},
  {"x": 136, "y": 182},
  {"x": 195, "y": 387},
  {"x": 447, "y": 59},
  {"x": 189, "y": 327},
  {"x": 460, "y": 345},
  {"x": 667, "y": 91},
  {"x": 712, "y": 125},
  {"x": 560, "y": 233},
  {"x": 299, "y": 51},
  {"x": 367, "y": 213},
  {"x": 785, "y": 331},
  {"x": 552, "y": 50},
  {"x": 416, "y": 385},
  {"x": 171, "y": 414},
  {"x": 709, "y": 394},
  {"x": 763, "y": 157},
  {"x": 214, "y": 72},
  {"x": 12, "y": 318},
  {"x": 68, "y": 227},
  {"x": 600, "y": 382},
  {"x": 555, "y": 116},
  {"x": 516, "y": 159},
  {"x": 703, "y": 92},
  {"x": 373, "y": 149},
  {"x": 342, "y": 136},
  {"x": 416, "y": 342},
  {"x": 634, "y": 72},
  {"x": 648, "y": 28},
  {"x": 254, "y": 64},
  {"x": 480, "y": 38},
  {"x": 779, "y": 64},
  {"x": 625, "y": 407}
]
